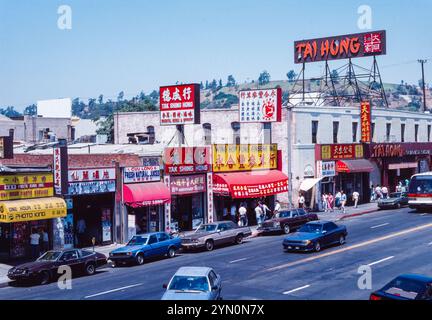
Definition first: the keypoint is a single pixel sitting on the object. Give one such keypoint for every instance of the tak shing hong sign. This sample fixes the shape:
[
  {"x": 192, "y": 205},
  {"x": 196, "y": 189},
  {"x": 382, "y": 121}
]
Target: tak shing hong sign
[
  {"x": 365, "y": 120},
  {"x": 340, "y": 47},
  {"x": 179, "y": 104},
  {"x": 186, "y": 160},
  {"x": 260, "y": 105}
]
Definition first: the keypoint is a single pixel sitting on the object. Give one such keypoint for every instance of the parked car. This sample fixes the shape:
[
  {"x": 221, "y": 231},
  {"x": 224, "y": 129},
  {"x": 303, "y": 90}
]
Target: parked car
[
  {"x": 313, "y": 236},
  {"x": 213, "y": 234},
  {"x": 144, "y": 246},
  {"x": 405, "y": 287},
  {"x": 45, "y": 268},
  {"x": 395, "y": 200},
  {"x": 194, "y": 283},
  {"x": 287, "y": 220}
]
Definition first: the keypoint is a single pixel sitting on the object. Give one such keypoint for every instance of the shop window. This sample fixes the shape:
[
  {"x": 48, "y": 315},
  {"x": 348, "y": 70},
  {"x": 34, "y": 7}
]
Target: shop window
[
  {"x": 388, "y": 131},
  {"x": 429, "y": 132},
  {"x": 416, "y": 127},
  {"x": 335, "y": 131},
  {"x": 314, "y": 131},
  {"x": 354, "y": 131},
  {"x": 151, "y": 134},
  {"x": 403, "y": 132},
  {"x": 236, "y": 132},
  {"x": 372, "y": 130},
  {"x": 207, "y": 133}
]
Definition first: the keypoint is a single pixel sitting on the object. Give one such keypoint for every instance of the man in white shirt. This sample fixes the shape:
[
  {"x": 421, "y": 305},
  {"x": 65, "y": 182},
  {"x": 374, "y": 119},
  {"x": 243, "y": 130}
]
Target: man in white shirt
[
  {"x": 34, "y": 244},
  {"x": 301, "y": 201},
  {"x": 277, "y": 208},
  {"x": 258, "y": 214},
  {"x": 243, "y": 215},
  {"x": 356, "y": 197},
  {"x": 384, "y": 191}
]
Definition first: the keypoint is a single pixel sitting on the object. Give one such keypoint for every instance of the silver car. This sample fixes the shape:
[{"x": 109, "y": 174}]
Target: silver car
[{"x": 194, "y": 283}]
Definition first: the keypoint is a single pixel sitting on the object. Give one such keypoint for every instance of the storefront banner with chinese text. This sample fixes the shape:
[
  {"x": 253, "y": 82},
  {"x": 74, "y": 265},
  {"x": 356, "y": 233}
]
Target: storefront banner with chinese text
[
  {"x": 261, "y": 105},
  {"x": 365, "y": 122},
  {"x": 179, "y": 104},
  {"x": 26, "y": 186},
  {"x": 141, "y": 174},
  {"x": 340, "y": 151},
  {"x": 186, "y": 160},
  {"x": 188, "y": 184}
]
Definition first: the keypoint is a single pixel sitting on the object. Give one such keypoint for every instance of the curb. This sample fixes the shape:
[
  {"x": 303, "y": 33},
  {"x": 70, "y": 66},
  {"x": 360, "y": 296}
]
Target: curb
[{"x": 357, "y": 214}]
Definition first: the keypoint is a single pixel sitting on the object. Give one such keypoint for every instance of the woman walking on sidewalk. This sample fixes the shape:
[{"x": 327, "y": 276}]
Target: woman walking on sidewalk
[
  {"x": 343, "y": 200},
  {"x": 330, "y": 202}
]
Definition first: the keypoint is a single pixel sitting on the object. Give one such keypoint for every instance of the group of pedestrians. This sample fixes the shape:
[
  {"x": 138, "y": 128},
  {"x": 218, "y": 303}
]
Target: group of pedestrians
[
  {"x": 379, "y": 192},
  {"x": 262, "y": 212},
  {"x": 39, "y": 242},
  {"x": 331, "y": 203}
]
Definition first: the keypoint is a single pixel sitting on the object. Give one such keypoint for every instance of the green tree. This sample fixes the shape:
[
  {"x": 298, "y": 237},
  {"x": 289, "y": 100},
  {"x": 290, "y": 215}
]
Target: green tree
[
  {"x": 334, "y": 75},
  {"x": 291, "y": 75},
  {"x": 100, "y": 99},
  {"x": 120, "y": 96},
  {"x": 264, "y": 78},
  {"x": 30, "y": 110},
  {"x": 230, "y": 81}
]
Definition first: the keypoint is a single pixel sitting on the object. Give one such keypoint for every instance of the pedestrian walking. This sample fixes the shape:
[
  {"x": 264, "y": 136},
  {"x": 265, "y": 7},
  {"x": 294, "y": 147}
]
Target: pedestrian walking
[
  {"x": 324, "y": 202},
  {"x": 372, "y": 193},
  {"x": 277, "y": 208},
  {"x": 266, "y": 210},
  {"x": 338, "y": 199},
  {"x": 301, "y": 201},
  {"x": 81, "y": 230},
  {"x": 243, "y": 215},
  {"x": 34, "y": 243},
  {"x": 355, "y": 197},
  {"x": 330, "y": 202},
  {"x": 343, "y": 200},
  {"x": 384, "y": 191},
  {"x": 45, "y": 240},
  {"x": 259, "y": 214},
  {"x": 378, "y": 192}
]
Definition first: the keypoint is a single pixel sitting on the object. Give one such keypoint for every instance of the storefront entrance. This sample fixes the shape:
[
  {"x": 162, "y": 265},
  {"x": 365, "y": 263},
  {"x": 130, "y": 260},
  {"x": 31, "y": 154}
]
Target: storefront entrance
[
  {"x": 147, "y": 219},
  {"x": 187, "y": 211}
]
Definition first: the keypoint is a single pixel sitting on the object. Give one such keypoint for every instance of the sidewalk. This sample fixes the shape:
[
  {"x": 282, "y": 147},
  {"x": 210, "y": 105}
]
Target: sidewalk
[{"x": 337, "y": 215}]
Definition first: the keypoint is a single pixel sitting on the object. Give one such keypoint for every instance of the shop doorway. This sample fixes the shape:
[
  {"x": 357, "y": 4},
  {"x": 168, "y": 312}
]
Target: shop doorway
[
  {"x": 187, "y": 211},
  {"x": 147, "y": 219},
  {"x": 399, "y": 175}
]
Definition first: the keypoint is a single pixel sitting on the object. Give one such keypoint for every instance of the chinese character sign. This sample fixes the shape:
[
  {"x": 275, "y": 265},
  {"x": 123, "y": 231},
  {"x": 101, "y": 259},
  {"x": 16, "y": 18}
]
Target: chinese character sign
[
  {"x": 340, "y": 47},
  {"x": 260, "y": 105},
  {"x": 365, "y": 120},
  {"x": 185, "y": 160},
  {"x": 341, "y": 151},
  {"x": 26, "y": 186},
  {"x": 179, "y": 104},
  {"x": 244, "y": 157}
]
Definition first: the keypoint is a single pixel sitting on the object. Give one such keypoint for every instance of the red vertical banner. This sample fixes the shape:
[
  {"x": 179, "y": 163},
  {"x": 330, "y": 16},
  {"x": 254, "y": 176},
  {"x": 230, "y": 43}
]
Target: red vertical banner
[{"x": 365, "y": 121}]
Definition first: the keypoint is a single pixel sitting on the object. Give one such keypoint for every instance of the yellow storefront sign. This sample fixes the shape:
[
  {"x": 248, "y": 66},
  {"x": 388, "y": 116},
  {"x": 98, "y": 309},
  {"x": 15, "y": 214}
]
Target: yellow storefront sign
[
  {"x": 244, "y": 157},
  {"x": 32, "y": 209},
  {"x": 24, "y": 186}
]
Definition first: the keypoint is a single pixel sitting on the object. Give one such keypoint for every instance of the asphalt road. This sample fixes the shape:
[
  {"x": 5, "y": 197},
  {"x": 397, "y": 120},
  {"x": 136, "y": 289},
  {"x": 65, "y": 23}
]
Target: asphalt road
[{"x": 391, "y": 242}]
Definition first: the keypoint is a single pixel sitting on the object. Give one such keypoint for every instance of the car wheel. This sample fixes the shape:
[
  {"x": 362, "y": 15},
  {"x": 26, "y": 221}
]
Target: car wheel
[
  {"x": 45, "y": 277},
  {"x": 171, "y": 252},
  {"x": 209, "y": 245},
  {"x": 140, "y": 259},
  {"x": 317, "y": 246},
  {"x": 342, "y": 240},
  {"x": 239, "y": 239},
  {"x": 286, "y": 229},
  {"x": 90, "y": 269}
]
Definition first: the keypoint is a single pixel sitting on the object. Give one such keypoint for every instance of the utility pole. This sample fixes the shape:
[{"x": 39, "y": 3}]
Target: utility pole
[{"x": 422, "y": 62}]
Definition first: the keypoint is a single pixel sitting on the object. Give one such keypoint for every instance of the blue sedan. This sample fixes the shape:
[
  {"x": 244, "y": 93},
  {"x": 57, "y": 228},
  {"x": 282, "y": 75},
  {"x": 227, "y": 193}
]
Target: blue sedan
[
  {"x": 313, "y": 236},
  {"x": 145, "y": 246}
]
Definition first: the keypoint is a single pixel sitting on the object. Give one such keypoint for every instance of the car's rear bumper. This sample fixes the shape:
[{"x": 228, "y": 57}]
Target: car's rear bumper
[{"x": 189, "y": 246}]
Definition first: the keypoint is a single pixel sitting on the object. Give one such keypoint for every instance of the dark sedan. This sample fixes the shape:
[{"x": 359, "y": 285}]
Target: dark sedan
[
  {"x": 46, "y": 267},
  {"x": 395, "y": 200},
  {"x": 406, "y": 287},
  {"x": 287, "y": 220},
  {"x": 315, "y": 235}
]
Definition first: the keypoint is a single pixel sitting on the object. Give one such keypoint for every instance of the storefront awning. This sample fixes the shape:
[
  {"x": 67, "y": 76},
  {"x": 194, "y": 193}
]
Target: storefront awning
[
  {"x": 308, "y": 183},
  {"x": 251, "y": 184},
  {"x": 403, "y": 165},
  {"x": 353, "y": 166},
  {"x": 32, "y": 209},
  {"x": 146, "y": 194}
]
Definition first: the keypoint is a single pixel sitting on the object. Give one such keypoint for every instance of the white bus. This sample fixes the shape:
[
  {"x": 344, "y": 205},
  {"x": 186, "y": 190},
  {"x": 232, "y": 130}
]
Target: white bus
[{"x": 420, "y": 191}]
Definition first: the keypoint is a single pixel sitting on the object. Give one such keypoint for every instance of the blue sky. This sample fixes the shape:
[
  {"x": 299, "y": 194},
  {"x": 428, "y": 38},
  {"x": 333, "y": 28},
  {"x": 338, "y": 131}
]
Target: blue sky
[{"x": 135, "y": 45}]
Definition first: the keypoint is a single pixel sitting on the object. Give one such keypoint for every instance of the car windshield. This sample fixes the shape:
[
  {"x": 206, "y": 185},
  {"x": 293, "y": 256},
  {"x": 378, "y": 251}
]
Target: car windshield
[
  {"x": 49, "y": 256},
  {"x": 395, "y": 195},
  {"x": 189, "y": 283},
  {"x": 406, "y": 288},
  {"x": 137, "y": 240},
  {"x": 311, "y": 228},
  {"x": 207, "y": 227}
]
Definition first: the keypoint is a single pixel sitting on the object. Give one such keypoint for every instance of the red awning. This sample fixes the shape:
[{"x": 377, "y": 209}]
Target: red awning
[
  {"x": 252, "y": 184},
  {"x": 353, "y": 166},
  {"x": 146, "y": 194}
]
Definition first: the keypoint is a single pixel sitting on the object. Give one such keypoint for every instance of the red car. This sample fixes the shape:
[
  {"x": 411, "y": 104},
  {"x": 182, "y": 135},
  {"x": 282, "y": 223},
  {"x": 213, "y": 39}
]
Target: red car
[{"x": 287, "y": 220}]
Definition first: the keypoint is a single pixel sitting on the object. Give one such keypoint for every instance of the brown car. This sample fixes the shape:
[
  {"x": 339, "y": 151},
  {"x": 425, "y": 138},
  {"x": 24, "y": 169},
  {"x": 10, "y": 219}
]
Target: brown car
[
  {"x": 46, "y": 267},
  {"x": 287, "y": 220}
]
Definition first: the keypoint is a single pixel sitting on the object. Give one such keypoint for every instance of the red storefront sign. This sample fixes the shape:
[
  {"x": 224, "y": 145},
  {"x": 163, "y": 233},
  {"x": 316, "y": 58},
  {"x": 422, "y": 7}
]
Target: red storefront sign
[
  {"x": 365, "y": 121},
  {"x": 393, "y": 150},
  {"x": 179, "y": 104},
  {"x": 339, "y": 151},
  {"x": 188, "y": 184},
  {"x": 340, "y": 47},
  {"x": 186, "y": 160}
]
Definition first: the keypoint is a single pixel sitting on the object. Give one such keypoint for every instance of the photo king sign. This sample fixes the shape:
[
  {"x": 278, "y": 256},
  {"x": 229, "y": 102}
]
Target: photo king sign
[
  {"x": 340, "y": 47},
  {"x": 179, "y": 104}
]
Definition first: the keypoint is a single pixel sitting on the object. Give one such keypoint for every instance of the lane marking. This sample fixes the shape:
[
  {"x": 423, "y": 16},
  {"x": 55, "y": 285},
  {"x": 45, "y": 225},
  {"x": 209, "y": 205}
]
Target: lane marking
[
  {"x": 379, "y": 261},
  {"x": 238, "y": 260},
  {"x": 113, "y": 290},
  {"x": 349, "y": 248},
  {"x": 380, "y": 225},
  {"x": 423, "y": 214},
  {"x": 430, "y": 244},
  {"x": 297, "y": 289}
]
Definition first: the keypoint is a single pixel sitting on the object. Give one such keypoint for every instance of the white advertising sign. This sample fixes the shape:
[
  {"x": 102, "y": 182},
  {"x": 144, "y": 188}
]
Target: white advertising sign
[
  {"x": 141, "y": 174},
  {"x": 260, "y": 105}
]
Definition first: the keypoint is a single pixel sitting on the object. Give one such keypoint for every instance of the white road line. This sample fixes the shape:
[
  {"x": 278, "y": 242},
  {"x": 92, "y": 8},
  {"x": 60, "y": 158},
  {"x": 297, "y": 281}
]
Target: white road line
[
  {"x": 238, "y": 260},
  {"x": 379, "y": 261},
  {"x": 113, "y": 290},
  {"x": 430, "y": 244},
  {"x": 380, "y": 225},
  {"x": 423, "y": 214},
  {"x": 297, "y": 289}
]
